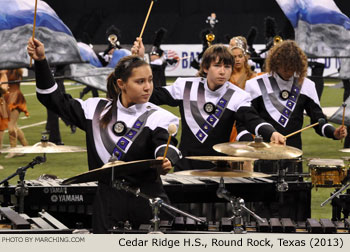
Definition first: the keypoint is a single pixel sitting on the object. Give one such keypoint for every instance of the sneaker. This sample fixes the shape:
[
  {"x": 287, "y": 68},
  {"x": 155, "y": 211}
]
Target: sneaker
[
  {"x": 1, "y": 167},
  {"x": 45, "y": 132}
]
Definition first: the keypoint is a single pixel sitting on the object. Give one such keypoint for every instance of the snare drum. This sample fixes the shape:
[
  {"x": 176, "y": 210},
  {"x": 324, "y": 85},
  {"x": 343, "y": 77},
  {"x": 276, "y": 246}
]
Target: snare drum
[{"x": 327, "y": 172}]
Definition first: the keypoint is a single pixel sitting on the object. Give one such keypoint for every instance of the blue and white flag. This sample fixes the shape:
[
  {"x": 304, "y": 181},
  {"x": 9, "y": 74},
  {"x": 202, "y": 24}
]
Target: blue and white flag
[
  {"x": 89, "y": 75},
  {"x": 16, "y": 27},
  {"x": 321, "y": 29},
  {"x": 88, "y": 54},
  {"x": 117, "y": 55},
  {"x": 92, "y": 73}
]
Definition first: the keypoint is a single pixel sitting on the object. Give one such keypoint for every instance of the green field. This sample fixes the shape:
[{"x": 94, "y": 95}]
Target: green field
[{"x": 68, "y": 165}]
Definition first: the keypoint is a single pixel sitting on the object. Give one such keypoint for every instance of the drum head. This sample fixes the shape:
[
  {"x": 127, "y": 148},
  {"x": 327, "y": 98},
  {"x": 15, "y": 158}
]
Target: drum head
[{"x": 326, "y": 162}]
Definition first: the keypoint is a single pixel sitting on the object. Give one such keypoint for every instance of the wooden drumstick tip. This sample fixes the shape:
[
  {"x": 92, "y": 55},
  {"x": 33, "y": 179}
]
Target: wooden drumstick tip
[{"x": 172, "y": 129}]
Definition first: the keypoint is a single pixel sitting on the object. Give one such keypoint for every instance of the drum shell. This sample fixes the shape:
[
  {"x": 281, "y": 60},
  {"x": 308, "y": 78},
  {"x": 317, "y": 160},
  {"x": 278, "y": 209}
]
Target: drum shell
[{"x": 327, "y": 172}]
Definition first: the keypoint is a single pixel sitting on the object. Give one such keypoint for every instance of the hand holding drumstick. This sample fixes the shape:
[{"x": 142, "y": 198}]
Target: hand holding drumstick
[
  {"x": 166, "y": 166},
  {"x": 136, "y": 49},
  {"x": 339, "y": 132}
]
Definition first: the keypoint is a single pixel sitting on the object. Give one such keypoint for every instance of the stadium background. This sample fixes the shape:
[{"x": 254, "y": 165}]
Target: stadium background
[{"x": 184, "y": 19}]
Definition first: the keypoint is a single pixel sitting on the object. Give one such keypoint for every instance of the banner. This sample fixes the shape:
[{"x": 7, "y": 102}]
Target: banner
[
  {"x": 16, "y": 27},
  {"x": 321, "y": 29}
]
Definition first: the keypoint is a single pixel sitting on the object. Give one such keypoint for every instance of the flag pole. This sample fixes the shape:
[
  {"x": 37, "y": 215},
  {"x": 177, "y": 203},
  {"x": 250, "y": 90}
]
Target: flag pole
[{"x": 34, "y": 23}]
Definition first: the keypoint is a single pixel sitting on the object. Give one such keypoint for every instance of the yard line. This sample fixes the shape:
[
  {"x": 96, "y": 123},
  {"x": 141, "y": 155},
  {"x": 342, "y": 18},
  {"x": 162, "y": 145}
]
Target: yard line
[{"x": 30, "y": 125}]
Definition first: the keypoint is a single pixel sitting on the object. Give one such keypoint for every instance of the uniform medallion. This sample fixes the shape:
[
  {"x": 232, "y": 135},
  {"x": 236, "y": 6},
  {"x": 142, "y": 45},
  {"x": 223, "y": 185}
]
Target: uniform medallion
[
  {"x": 209, "y": 108},
  {"x": 284, "y": 94},
  {"x": 119, "y": 128}
]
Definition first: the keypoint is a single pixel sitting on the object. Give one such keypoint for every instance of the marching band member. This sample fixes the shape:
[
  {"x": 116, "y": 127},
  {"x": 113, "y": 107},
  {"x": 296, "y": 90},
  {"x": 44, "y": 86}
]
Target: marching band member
[
  {"x": 17, "y": 104},
  {"x": 282, "y": 94},
  {"x": 241, "y": 69},
  {"x": 4, "y": 110},
  {"x": 209, "y": 105},
  {"x": 124, "y": 125}
]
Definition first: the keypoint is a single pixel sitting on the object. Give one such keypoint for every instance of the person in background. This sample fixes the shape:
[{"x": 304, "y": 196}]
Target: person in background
[
  {"x": 4, "y": 112},
  {"x": 241, "y": 70},
  {"x": 16, "y": 104},
  {"x": 124, "y": 126},
  {"x": 52, "y": 127},
  {"x": 158, "y": 61},
  {"x": 346, "y": 85}
]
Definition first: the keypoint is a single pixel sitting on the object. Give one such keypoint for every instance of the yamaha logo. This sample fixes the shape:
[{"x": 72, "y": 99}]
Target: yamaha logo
[{"x": 54, "y": 198}]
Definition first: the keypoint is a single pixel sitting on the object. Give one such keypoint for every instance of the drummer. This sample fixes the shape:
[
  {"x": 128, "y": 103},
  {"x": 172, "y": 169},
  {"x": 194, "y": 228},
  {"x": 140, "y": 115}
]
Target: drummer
[
  {"x": 124, "y": 125},
  {"x": 283, "y": 94},
  {"x": 209, "y": 105}
]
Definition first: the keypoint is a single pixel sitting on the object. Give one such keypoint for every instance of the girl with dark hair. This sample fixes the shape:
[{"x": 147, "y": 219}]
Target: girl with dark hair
[{"x": 125, "y": 125}]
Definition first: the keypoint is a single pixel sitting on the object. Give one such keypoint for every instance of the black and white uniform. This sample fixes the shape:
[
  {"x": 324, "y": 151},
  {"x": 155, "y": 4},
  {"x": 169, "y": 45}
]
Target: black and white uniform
[
  {"x": 144, "y": 136},
  {"x": 207, "y": 116},
  {"x": 287, "y": 115}
]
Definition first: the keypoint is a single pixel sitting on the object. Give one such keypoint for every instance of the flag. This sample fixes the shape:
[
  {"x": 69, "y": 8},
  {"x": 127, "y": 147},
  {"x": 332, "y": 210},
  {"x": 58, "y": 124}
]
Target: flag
[
  {"x": 90, "y": 75},
  {"x": 321, "y": 29},
  {"x": 117, "y": 55},
  {"x": 16, "y": 27},
  {"x": 88, "y": 54}
]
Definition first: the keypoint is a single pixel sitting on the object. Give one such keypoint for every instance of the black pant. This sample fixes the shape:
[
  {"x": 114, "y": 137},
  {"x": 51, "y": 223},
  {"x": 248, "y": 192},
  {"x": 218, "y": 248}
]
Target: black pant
[{"x": 317, "y": 76}]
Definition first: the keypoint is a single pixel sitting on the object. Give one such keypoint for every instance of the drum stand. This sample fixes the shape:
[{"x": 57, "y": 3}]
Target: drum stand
[
  {"x": 21, "y": 189},
  {"x": 237, "y": 207},
  {"x": 281, "y": 185},
  {"x": 341, "y": 202},
  {"x": 345, "y": 180},
  {"x": 155, "y": 203}
]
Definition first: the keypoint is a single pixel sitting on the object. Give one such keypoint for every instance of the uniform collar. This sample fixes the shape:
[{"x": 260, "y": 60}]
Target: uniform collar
[
  {"x": 283, "y": 83},
  {"x": 217, "y": 91},
  {"x": 132, "y": 109}
]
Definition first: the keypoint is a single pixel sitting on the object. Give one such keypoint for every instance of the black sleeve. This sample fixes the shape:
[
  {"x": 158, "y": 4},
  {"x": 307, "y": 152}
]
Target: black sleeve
[
  {"x": 315, "y": 112},
  {"x": 242, "y": 133},
  {"x": 253, "y": 123},
  {"x": 161, "y": 96}
]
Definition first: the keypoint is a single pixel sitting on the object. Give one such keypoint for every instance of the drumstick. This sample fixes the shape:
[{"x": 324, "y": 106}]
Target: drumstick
[
  {"x": 342, "y": 122},
  {"x": 144, "y": 24},
  {"x": 320, "y": 121},
  {"x": 171, "y": 129},
  {"x": 34, "y": 22}
]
